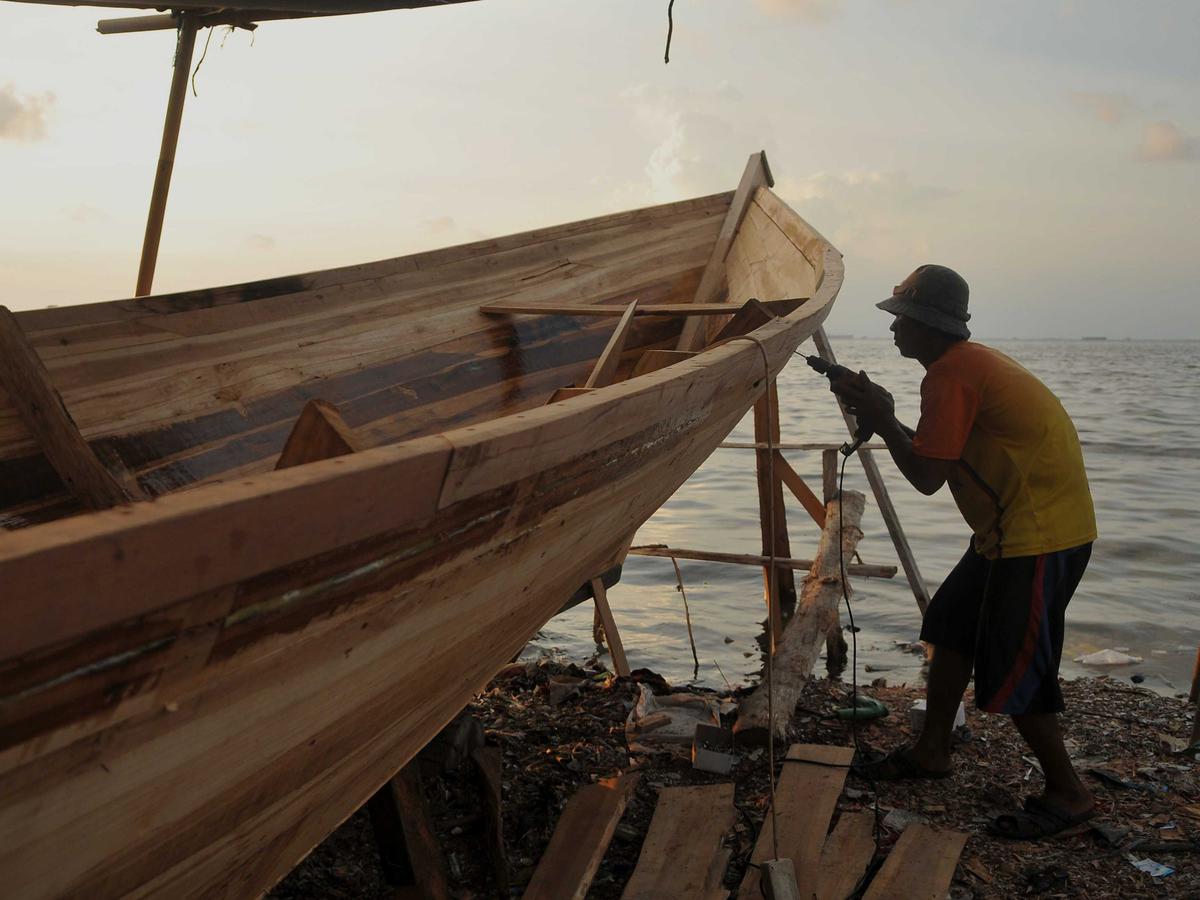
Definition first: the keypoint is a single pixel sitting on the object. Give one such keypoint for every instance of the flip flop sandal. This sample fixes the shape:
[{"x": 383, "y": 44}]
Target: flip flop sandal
[
  {"x": 895, "y": 766},
  {"x": 1036, "y": 821}
]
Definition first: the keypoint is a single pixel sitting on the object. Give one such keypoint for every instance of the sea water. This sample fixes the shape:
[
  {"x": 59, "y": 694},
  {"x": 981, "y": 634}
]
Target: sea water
[{"x": 1136, "y": 405}]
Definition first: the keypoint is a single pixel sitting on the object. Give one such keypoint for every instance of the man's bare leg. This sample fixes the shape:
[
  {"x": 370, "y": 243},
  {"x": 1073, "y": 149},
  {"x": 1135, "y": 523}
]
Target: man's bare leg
[
  {"x": 949, "y": 673},
  {"x": 1064, "y": 790}
]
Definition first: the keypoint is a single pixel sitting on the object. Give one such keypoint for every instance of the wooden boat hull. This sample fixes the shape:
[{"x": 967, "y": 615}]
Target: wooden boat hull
[{"x": 198, "y": 689}]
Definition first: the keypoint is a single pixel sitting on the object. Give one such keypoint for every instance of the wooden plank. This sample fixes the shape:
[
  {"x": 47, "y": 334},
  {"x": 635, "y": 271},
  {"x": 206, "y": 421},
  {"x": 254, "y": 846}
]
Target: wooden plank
[
  {"x": 800, "y": 490},
  {"x": 753, "y": 314},
  {"x": 791, "y": 445},
  {"x": 920, "y": 866},
  {"x": 653, "y": 360},
  {"x": 686, "y": 834},
  {"x": 886, "y": 508},
  {"x": 567, "y": 393},
  {"x": 805, "y": 798},
  {"x": 611, "y": 634},
  {"x": 27, "y": 382},
  {"x": 319, "y": 433},
  {"x": 404, "y": 832},
  {"x": 580, "y": 840},
  {"x": 713, "y": 282},
  {"x": 863, "y": 570},
  {"x": 847, "y": 852},
  {"x": 781, "y": 307},
  {"x": 779, "y": 587},
  {"x": 796, "y": 653},
  {"x": 606, "y": 366}
]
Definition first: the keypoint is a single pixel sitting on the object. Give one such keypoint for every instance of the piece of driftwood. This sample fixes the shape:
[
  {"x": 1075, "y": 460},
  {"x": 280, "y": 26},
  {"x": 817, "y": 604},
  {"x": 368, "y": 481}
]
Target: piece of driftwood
[
  {"x": 580, "y": 840},
  {"x": 24, "y": 377},
  {"x": 780, "y": 307},
  {"x": 847, "y": 852},
  {"x": 805, "y": 798},
  {"x": 863, "y": 570},
  {"x": 678, "y": 856},
  {"x": 921, "y": 865},
  {"x": 796, "y": 653}
]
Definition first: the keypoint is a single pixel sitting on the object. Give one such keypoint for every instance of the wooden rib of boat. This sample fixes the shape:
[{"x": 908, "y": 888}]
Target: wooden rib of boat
[{"x": 197, "y": 689}]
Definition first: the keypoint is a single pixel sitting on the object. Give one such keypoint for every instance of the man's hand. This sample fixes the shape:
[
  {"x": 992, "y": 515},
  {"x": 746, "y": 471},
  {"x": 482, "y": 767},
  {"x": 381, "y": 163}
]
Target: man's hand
[{"x": 870, "y": 403}]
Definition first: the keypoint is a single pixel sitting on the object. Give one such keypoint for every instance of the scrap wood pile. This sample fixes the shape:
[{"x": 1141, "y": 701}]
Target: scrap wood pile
[{"x": 560, "y": 727}]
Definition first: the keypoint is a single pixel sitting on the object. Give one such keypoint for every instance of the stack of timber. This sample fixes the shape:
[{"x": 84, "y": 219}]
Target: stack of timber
[{"x": 195, "y": 689}]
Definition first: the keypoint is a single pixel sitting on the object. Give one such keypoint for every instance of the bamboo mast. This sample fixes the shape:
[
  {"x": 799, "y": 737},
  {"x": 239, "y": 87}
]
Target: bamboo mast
[{"x": 185, "y": 44}]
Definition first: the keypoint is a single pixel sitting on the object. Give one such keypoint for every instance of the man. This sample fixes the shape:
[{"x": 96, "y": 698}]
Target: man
[{"x": 1010, "y": 454}]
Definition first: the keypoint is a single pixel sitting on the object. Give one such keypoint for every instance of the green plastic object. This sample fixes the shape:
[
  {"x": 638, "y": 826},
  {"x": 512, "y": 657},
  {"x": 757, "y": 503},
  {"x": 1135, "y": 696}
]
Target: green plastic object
[{"x": 865, "y": 709}]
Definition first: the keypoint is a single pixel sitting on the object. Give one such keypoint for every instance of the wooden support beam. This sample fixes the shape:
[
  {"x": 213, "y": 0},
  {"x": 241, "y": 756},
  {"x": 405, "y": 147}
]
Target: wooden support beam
[
  {"x": 882, "y": 498},
  {"x": 860, "y": 570},
  {"x": 319, "y": 433},
  {"x": 25, "y": 379},
  {"x": 653, "y": 360},
  {"x": 778, "y": 307},
  {"x": 791, "y": 445},
  {"x": 921, "y": 864},
  {"x": 797, "y": 651},
  {"x": 567, "y": 393},
  {"x": 606, "y": 366},
  {"x": 780, "y": 585},
  {"x": 684, "y": 840},
  {"x": 752, "y": 315},
  {"x": 611, "y": 635},
  {"x": 185, "y": 44},
  {"x": 713, "y": 282},
  {"x": 801, "y": 491},
  {"x": 580, "y": 840},
  {"x": 489, "y": 764},
  {"x": 404, "y": 833},
  {"x": 829, "y": 473},
  {"x": 805, "y": 799},
  {"x": 1194, "y": 697}
]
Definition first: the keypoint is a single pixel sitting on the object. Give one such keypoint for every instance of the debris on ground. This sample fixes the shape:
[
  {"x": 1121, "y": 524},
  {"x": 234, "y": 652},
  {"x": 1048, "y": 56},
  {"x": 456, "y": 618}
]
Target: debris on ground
[{"x": 560, "y": 726}]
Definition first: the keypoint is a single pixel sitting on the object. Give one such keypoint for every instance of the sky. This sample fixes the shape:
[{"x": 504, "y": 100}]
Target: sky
[{"x": 1049, "y": 150}]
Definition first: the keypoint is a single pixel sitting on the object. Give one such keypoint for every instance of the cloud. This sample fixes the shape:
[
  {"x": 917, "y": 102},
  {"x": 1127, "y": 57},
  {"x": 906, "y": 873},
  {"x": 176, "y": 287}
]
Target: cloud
[
  {"x": 1110, "y": 109},
  {"x": 23, "y": 119},
  {"x": 260, "y": 242},
  {"x": 85, "y": 213},
  {"x": 880, "y": 216},
  {"x": 814, "y": 11},
  {"x": 1163, "y": 142}
]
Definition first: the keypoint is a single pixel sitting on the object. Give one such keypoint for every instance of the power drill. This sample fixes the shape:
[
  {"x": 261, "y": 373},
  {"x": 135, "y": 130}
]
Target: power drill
[{"x": 833, "y": 371}]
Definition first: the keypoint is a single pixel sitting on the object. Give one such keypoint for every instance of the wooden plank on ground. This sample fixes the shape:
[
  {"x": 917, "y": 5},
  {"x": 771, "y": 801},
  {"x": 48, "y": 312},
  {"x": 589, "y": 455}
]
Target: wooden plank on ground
[
  {"x": 779, "y": 307},
  {"x": 24, "y": 377},
  {"x": 686, "y": 836},
  {"x": 846, "y": 855},
  {"x": 713, "y": 282},
  {"x": 580, "y": 840},
  {"x": 611, "y": 635},
  {"x": 606, "y": 366},
  {"x": 920, "y": 866},
  {"x": 319, "y": 433},
  {"x": 801, "y": 491},
  {"x": 653, "y": 360},
  {"x": 805, "y": 797}
]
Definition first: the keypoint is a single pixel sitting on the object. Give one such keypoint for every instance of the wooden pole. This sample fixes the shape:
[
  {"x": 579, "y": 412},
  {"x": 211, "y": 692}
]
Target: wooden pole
[
  {"x": 780, "y": 585},
  {"x": 662, "y": 551},
  {"x": 1195, "y": 698},
  {"x": 875, "y": 478},
  {"x": 185, "y": 44},
  {"x": 611, "y": 635}
]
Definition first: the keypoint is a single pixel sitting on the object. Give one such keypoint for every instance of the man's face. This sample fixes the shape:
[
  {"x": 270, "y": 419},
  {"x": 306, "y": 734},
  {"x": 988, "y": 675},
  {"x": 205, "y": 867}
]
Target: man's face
[{"x": 908, "y": 334}]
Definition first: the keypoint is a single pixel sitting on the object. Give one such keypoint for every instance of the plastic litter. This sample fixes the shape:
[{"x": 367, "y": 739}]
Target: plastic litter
[
  {"x": 1108, "y": 658},
  {"x": 1151, "y": 868}
]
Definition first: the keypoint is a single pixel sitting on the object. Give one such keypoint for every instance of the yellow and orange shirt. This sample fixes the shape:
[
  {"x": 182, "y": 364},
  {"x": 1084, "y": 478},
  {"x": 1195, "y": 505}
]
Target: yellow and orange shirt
[{"x": 1021, "y": 484}]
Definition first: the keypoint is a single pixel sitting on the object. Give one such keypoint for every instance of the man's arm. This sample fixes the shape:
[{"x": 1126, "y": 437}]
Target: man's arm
[{"x": 872, "y": 404}]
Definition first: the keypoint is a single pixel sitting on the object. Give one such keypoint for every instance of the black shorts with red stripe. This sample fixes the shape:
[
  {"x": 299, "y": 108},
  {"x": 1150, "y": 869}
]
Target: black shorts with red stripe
[{"x": 1008, "y": 614}]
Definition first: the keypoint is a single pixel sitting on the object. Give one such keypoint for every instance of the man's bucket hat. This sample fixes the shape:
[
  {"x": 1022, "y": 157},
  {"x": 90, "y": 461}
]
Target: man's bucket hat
[{"x": 935, "y": 296}]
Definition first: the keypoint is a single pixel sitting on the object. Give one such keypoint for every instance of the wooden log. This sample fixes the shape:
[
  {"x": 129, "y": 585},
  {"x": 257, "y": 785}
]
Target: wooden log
[
  {"x": 611, "y": 635},
  {"x": 780, "y": 585},
  {"x": 166, "y": 153},
  {"x": 489, "y": 765},
  {"x": 886, "y": 509},
  {"x": 580, "y": 840},
  {"x": 921, "y": 864},
  {"x": 404, "y": 833},
  {"x": 662, "y": 551},
  {"x": 847, "y": 853},
  {"x": 797, "y": 651},
  {"x": 319, "y": 433},
  {"x": 801, "y": 491},
  {"x": 713, "y": 282},
  {"x": 27, "y": 383},
  {"x": 778, "y": 307},
  {"x": 685, "y": 836},
  {"x": 603, "y": 372},
  {"x": 805, "y": 798}
]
